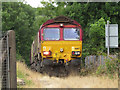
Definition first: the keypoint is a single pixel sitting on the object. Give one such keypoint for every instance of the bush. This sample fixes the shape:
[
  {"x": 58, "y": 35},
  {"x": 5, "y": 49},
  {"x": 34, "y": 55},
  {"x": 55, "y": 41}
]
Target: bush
[
  {"x": 19, "y": 57},
  {"x": 110, "y": 67},
  {"x": 100, "y": 70}
]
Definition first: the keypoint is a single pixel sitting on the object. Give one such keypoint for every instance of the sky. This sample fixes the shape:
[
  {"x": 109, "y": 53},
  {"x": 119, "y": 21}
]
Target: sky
[{"x": 34, "y": 3}]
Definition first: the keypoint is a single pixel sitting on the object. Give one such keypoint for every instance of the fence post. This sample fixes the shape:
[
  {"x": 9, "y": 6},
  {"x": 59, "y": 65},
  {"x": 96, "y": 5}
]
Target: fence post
[
  {"x": 100, "y": 60},
  {"x": 12, "y": 58},
  {"x": 119, "y": 70},
  {"x": 0, "y": 64}
]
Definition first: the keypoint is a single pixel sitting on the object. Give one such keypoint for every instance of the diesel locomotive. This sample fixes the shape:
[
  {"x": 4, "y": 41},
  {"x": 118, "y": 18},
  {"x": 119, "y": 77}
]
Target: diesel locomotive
[{"x": 58, "y": 42}]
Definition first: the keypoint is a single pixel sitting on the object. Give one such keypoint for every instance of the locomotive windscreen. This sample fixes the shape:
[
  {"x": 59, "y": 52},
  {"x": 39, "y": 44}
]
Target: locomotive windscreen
[
  {"x": 51, "y": 34},
  {"x": 71, "y": 34}
]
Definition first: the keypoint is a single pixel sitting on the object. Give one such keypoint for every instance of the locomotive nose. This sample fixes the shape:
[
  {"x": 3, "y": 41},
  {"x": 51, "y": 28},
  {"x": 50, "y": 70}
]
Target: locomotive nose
[{"x": 61, "y": 52}]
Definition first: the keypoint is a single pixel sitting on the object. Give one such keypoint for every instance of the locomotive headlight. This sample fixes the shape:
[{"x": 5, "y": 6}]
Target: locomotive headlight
[
  {"x": 61, "y": 49},
  {"x": 78, "y": 52},
  {"x": 61, "y": 25},
  {"x": 46, "y": 53},
  {"x": 75, "y": 52}
]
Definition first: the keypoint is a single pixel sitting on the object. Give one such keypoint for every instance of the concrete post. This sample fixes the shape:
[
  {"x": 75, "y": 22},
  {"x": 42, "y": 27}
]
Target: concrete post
[{"x": 12, "y": 64}]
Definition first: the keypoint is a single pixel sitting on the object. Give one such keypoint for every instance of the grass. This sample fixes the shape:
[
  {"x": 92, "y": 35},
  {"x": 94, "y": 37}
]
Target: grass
[
  {"x": 36, "y": 80},
  {"x": 22, "y": 74},
  {"x": 30, "y": 77}
]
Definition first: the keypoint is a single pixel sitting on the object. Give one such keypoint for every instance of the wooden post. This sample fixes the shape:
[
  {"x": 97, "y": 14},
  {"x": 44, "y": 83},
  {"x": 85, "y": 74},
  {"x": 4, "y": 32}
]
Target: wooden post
[
  {"x": 100, "y": 60},
  {"x": 93, "y": 62},
  {"x": 0, "y": 64},
  {"x": 12, "y": 59}
]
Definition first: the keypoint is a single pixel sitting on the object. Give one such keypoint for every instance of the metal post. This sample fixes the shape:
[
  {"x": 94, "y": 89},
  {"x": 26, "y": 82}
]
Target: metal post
[
  {"x": 8, "y": 70},
  {"x": 108, "y": 38},
  {"x": 0, "y": 18}
]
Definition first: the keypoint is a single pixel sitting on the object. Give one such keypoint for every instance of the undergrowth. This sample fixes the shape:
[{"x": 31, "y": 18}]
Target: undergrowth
[
  {"x": 110, "y": 68},
  {"x": 22, "y": 75}
]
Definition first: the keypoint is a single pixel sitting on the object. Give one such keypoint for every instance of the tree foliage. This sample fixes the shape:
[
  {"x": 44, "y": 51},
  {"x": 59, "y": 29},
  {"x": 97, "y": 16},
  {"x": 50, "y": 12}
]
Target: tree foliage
[
  {"x": 19, "y": 17},
  {"x": 97, "y": 36}
]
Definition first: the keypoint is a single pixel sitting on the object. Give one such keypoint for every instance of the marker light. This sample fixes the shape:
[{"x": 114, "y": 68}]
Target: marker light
[
  {"x": 61, "y": 25},
  {"x": 46, "y": 53},
  {"x": 75, "y": 52}
]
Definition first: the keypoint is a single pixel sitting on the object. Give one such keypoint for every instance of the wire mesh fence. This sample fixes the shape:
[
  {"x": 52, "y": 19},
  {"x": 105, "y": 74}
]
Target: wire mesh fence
[
  {"x": 8, "y": 61},
  {"x": 4, "y": 63}
]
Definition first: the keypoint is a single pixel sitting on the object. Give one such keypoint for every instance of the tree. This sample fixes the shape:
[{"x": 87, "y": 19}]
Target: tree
[
  {"x": 97, "y": 36},
  {"x": 19, "y": 17}
]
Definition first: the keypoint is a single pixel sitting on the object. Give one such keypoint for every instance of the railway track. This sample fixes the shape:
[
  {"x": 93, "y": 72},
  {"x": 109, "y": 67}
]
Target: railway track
[{"x": 56, "y": 70}]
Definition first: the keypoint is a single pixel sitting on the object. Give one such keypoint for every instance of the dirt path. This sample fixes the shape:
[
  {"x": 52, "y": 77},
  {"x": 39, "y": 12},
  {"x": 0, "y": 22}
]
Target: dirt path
[
  {"x": 44, "y": 81},
  {"x": 78, "y": 82}
]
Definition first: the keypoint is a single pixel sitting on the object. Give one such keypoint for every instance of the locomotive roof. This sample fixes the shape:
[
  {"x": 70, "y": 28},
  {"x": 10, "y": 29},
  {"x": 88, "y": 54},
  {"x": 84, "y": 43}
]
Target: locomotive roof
[{"x": 61, "y": 19}]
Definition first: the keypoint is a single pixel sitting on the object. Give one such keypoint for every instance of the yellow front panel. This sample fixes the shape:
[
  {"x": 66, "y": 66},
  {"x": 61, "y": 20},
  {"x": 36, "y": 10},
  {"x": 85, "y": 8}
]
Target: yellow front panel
[{"x": 55, "y": 46}]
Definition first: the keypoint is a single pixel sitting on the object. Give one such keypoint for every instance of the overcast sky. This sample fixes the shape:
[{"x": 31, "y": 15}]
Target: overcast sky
[{"x": 34, "y": 3}]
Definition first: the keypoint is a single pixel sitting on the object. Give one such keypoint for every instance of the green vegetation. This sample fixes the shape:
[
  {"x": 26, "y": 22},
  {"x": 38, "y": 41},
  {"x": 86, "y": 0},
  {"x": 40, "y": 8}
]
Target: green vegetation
[
  {"x": 110, "y": 68},
  {"x": 25, "y": 21},
  {"x": 21, "y": 74}
]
